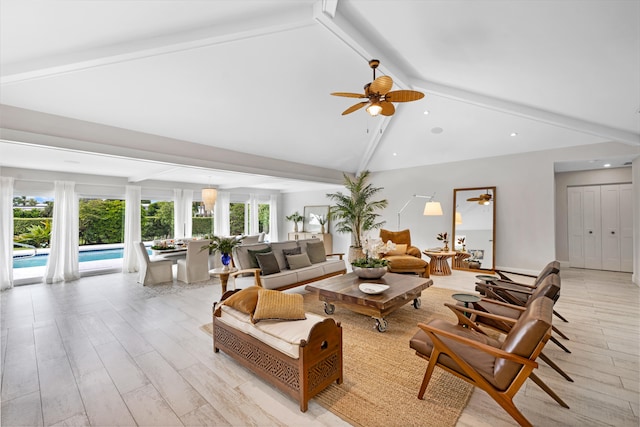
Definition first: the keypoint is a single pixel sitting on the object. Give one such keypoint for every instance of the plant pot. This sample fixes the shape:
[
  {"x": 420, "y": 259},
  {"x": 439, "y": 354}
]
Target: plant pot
[
  {"x": 355, "y": 253},
  {"x": 369, "y": 273}
]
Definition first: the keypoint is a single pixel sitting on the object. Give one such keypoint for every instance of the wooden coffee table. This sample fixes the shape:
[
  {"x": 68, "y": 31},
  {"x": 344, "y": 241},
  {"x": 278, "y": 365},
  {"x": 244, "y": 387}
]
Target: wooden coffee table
[{"x": 343, "y": 291}]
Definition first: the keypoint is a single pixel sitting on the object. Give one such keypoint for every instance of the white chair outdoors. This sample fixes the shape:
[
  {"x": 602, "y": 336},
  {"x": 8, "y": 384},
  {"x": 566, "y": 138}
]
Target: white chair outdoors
[
  {"x": 195, "y": 267},
  {"x": 152, "y": 272}
]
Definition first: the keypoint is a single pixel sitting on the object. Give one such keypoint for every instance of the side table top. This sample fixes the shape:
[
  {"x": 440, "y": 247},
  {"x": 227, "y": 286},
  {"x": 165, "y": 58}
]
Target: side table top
[
  {"x": 429, "y": 253},
  {"x": 221, "y": 270},
  {"x": 466, "y": 297}
]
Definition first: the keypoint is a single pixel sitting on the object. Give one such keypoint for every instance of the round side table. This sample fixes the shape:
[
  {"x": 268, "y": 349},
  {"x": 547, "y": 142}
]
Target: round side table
[
  {"x": 466, "y": 299},
  {"x": 224, "y": 276}
]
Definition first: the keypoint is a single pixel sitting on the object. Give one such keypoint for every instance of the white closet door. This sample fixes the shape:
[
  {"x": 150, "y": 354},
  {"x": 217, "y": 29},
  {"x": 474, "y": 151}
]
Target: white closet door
[
  {"x": 592, "y": 227},
  {"x": 576, "y": 227},
  {"x": 626, "y": 227},
  {"x": 610, "y": 203}
]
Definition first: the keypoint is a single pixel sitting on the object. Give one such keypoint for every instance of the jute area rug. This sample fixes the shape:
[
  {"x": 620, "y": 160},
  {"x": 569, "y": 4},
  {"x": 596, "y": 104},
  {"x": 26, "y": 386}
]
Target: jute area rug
[{"x": 382, "y": 375}]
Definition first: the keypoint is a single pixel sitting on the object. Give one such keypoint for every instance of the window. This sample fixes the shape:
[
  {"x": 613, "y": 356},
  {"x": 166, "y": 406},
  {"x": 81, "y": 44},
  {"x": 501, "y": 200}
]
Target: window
[{"x": 157, "y": 220}]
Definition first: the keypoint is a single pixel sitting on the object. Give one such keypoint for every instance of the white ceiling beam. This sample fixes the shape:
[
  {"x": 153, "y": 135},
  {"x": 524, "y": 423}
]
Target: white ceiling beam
[
  {"x": 253, "y": 26},
  {"x": 528, "y": 112},
  {"x": 367, "y": 43}
]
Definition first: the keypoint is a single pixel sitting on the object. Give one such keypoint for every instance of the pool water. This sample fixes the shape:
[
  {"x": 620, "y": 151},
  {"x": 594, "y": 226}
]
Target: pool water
[{"x": 95, "y": 255}]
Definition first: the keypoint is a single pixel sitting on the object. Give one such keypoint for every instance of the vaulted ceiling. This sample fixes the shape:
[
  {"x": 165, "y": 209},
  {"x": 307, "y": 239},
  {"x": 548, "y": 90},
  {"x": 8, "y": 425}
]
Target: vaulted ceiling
[{"x": 255, "y": 76}]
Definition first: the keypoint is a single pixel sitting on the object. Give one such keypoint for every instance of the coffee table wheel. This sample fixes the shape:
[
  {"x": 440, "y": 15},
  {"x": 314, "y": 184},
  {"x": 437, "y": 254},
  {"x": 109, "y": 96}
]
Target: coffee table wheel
[
  {"x": 417, "y": 303},
  {"x": 381, "y": 324},
  {"x": 329, "y": 308}
]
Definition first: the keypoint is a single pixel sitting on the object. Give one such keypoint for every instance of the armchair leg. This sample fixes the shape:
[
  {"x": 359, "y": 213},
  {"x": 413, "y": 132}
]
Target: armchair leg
[
  {"x": 552, "y": 364},
  {"x": 560, "y": 316},
  {"x": 557, "y": 331},
  {"x": 548, "y": 390},
  {"x": 427, "y": 374},
  {"x": 559, "y": 344}
]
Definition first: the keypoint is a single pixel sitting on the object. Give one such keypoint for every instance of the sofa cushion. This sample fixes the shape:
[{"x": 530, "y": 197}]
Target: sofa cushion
[
  {"x": 241, "y": 256},
  {"x": 294, "y": 251},
  {"x": 276, "y": 305},
  {"x": 401, "y": 249},
  {"x": 405, "y": 261},
  {"x": 298, "y": 261},
  {"x": 277, "y": 248},
  {"x": 316, "y": 252},
  {"x": 253, "y": 256},
  {"x": 244, "y": 300},
  {"x": 267, "y": 263}
]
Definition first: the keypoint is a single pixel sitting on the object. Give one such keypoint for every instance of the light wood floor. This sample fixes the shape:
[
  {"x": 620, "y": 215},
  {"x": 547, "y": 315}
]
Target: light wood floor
[{"x": 105, "y": 351}]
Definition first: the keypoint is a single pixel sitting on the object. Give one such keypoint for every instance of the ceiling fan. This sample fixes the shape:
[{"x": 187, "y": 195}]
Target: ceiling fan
[
  {"x": 378, "y": 96},
  {"x": 482, "y": 199}
]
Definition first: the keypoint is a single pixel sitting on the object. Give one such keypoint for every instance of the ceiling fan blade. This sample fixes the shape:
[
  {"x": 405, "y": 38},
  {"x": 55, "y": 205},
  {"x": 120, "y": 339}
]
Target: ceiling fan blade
[
  {"x": 349, "y": 94},
  {"x": 381, "y": 85},
  {"x": 474, "y": 199},
  {"x": 387, "y": 108},
  {"x": 354, "y": 107},
  {"x": 404, "y": 96}
]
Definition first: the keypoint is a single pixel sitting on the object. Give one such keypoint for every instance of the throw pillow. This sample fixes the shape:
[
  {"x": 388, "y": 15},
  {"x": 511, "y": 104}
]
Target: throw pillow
[
  {"x": 399, "y": 250},
  {"x": 276, "y": 305},
  {"x": 252, "y": 256},
  {"x": 315, "y": 251},
  {"x": 298, "y": 261},
  {"x": 244, "y": 300},
  {"x": 268, "y": 263},
  {"x": 294, "y": 251}
]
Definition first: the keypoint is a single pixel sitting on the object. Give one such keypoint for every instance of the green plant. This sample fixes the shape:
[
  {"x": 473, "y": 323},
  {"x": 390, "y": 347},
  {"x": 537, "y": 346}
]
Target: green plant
[
  {"x": 356, "y": 212},
  {"x": 295, "y": 217},
  {"x": 370, "y": 262},
  {"x": 224, "y": 245}
]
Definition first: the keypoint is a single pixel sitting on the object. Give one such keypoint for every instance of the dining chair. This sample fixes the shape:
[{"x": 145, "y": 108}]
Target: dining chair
[
  {"x": 152, "y": 272},
  {"x": 195, "y": 266}
]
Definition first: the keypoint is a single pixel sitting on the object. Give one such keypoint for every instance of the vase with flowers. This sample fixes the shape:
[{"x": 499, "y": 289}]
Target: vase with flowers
[
  {"x": 225, "y": 246},
  {"x": 443, "y": 238},
  {"x": 372, "y": 266},
  {"x": 461, "y": 241}
]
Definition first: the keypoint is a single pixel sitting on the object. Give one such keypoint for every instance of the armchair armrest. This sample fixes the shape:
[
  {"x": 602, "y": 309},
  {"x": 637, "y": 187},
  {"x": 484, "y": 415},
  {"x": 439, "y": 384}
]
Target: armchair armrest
[
  {"x": 414, "y": 251},
  {"x": 459, "y": 312},
  {"x": 339, "y": 255},
  {"x": 436, "y": 333},
  {"x": 254, "y": 271}
]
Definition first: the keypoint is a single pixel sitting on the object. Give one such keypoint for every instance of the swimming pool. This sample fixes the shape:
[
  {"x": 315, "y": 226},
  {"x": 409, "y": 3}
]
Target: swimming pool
[{"x": 40, "y": 260}]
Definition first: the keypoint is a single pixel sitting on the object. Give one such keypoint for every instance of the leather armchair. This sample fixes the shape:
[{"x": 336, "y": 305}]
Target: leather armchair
[{"x": 409, "y": 262}]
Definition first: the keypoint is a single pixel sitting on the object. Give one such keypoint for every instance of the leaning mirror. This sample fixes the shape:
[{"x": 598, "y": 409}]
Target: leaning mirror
[
  {"x": 474, "y": 228},
  {"x": 316, "y": 219}
]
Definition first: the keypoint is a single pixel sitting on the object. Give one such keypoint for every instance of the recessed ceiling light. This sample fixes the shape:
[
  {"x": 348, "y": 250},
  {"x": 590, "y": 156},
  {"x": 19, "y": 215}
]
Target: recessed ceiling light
[
  {"x": 514, "y": 133},
  {"x": 426, "y": 112},
  {"x": 437, "y": 130},
  {"x": 607, "y": 165},
  {"x": 395, "y": 154}
]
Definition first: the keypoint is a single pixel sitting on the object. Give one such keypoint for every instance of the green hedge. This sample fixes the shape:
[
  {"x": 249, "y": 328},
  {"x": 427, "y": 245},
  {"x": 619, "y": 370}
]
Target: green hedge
[
  {"x": 201, "y": 226},
  {"x": 22, "y": 225}
]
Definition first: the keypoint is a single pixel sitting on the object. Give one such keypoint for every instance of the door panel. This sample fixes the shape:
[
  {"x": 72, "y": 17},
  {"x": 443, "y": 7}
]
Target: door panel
[
  {"x": 576, "y": 227},
  {"x": 610, "y": 208},
  {"x": 626, "y": 228},
  {"x": 592, "y": 228}
]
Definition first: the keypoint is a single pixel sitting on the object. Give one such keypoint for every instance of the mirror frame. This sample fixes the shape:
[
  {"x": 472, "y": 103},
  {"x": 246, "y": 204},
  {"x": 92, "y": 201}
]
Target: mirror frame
[
  {"x": 453, "y": 228},
  {"x": 308, "y": 224}
]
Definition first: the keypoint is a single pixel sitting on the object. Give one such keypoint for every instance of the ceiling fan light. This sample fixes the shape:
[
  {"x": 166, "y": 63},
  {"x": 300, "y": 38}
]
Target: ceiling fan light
[{"x": 374, "y": 109}]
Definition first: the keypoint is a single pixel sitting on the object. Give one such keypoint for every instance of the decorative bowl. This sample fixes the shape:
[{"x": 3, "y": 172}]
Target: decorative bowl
[
  {"x": 372, "y": 288},
  {"x": 369, "y": 272}
]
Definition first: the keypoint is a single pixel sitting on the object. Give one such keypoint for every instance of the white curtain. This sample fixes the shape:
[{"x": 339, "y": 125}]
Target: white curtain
[
  {"x": 6, "y": 232},
  {"x": 254, "y": 216},
  {"x": 182, "y": 214},
  {"x": 132, "y": 231},
  {"x": 221, "y": 225},
  {"x": 63, "y": 259},
  {"x": 273, "y": 218}
]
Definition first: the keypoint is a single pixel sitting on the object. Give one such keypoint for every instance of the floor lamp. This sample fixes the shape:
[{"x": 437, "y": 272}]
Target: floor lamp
[{"x": 431, "y": 208}]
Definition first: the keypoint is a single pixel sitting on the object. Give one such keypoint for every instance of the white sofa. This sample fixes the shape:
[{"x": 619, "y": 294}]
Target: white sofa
[{"x": 249, "y": 274}]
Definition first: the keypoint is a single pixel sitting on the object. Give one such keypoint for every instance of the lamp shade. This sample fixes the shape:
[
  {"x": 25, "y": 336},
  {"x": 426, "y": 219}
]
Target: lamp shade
[
  {"x": 209, "y": 196},
  {"x": 458, "y": 218},
  {"x": 432, "y": 208}
]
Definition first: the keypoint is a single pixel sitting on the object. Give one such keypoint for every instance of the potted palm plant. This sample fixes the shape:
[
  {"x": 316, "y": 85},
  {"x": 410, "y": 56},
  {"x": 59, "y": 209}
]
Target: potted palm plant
[
  {"x": 355, "y": 212},
  {"x": 225, "y": 246}
]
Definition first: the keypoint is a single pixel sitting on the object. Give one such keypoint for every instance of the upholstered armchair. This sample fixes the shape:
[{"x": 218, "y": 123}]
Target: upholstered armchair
[{"x": 405, "y": 258}]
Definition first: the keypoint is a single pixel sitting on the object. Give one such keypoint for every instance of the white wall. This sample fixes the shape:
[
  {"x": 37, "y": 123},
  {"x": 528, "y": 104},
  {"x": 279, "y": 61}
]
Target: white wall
[
  {"x": 636, "y": 221},
  {"x": 525, "y": 200}
]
